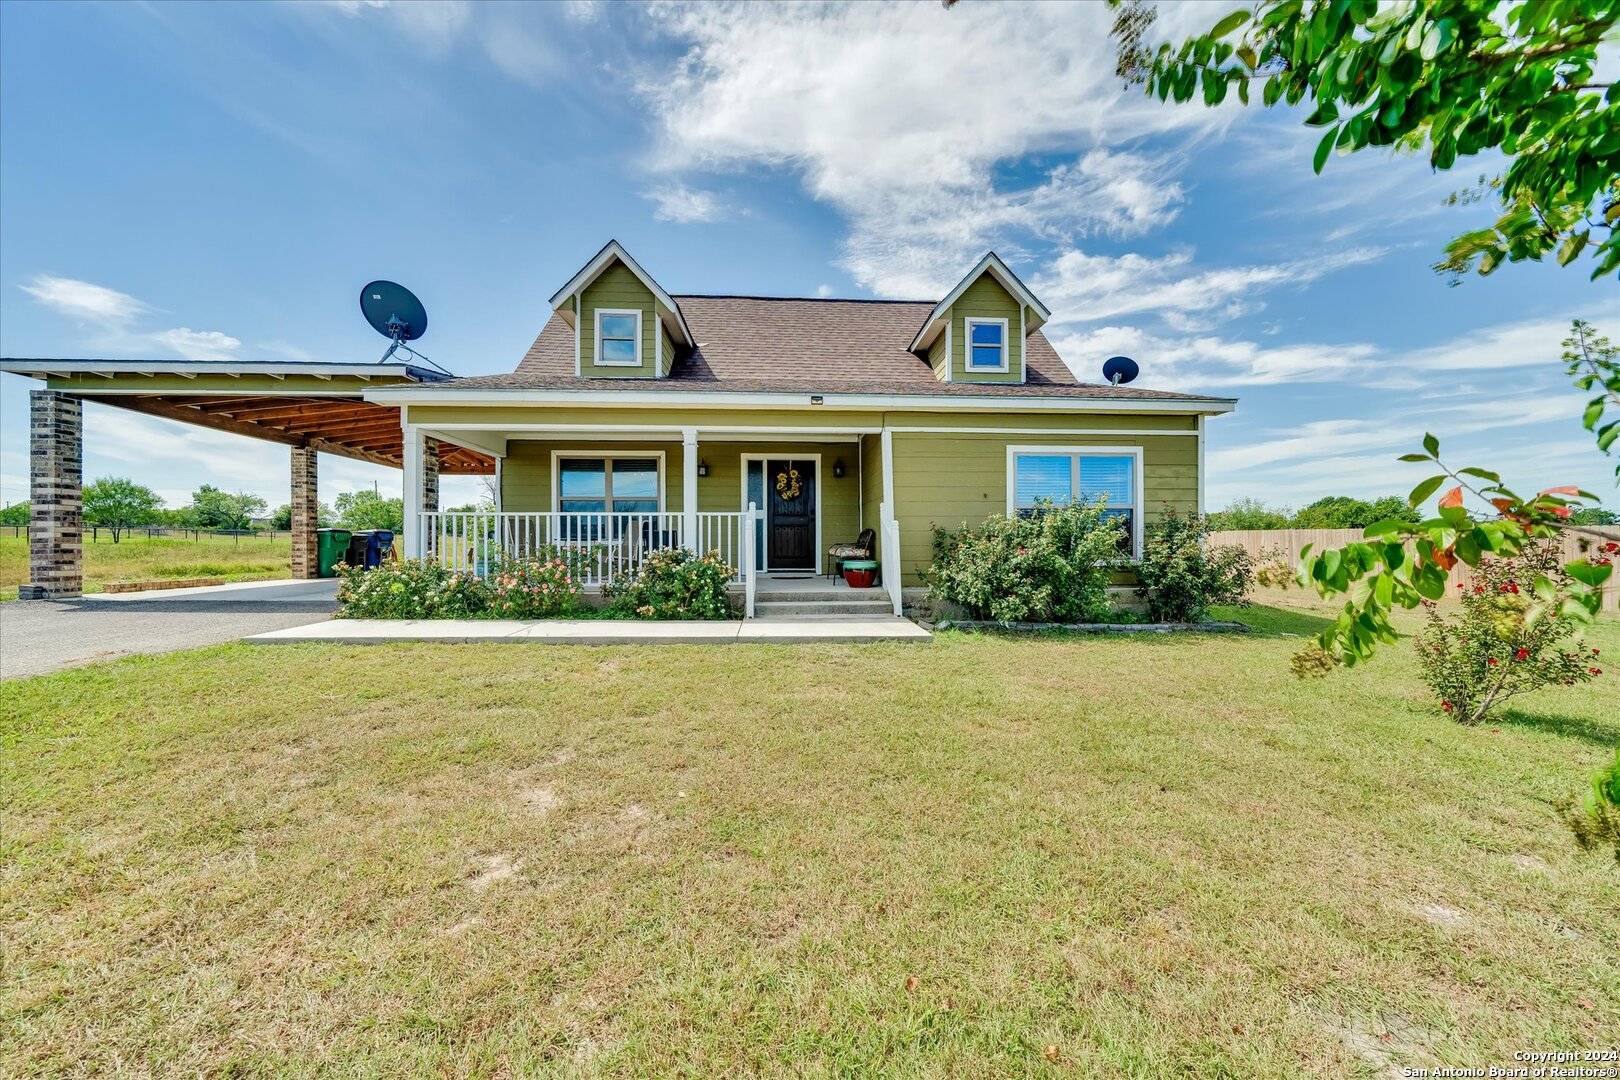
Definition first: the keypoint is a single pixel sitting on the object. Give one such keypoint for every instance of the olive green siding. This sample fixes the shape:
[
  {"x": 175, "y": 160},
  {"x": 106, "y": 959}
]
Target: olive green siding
[
  {"x": 667, "y": 356},
  {"x": 617, "y": 287},
  {"x": 986, "y": 299},
  {"x": 939, "y": 355},
  {"x": 947, "y": 479},
  {"x": 526, "y": 478}
]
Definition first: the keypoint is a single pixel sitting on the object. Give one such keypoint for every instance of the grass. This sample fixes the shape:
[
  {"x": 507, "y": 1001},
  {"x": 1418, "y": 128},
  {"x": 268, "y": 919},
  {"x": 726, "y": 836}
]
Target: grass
[
  {"x": 1159, "y": 856},
  {"x": 139, "y": 558}
]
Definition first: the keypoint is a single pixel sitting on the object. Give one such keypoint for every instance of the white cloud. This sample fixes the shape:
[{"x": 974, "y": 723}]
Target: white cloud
[
  {"x": 824, "y": 290},
  {"x": 198, "y": 344},
  {"x": 83, "y": 300},
  {"x": 681, "y": 204},
  {"x": 900, "y": 115},
  {"x": 1088, "y": 288}
]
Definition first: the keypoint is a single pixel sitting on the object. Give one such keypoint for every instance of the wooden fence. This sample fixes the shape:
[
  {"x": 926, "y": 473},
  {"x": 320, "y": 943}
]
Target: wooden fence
[{"x": 1259, "y": 542}]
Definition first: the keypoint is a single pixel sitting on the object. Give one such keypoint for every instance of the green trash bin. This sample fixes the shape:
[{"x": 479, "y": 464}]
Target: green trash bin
[{"x": 332, "y": 547}]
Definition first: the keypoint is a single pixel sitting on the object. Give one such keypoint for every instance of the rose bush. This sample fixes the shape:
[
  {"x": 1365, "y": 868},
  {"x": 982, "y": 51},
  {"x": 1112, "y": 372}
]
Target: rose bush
[
  {"x": 672, "y": 583},
  {"x": 1501, "y": 644},
  {"x": 1053, "y": 565},
  {"x": 1181, "y": 575}
]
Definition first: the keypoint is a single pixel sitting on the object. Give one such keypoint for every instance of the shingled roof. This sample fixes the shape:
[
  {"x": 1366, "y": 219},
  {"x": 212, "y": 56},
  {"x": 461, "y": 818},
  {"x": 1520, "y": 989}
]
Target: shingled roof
[{"x": 764, "y": 344}]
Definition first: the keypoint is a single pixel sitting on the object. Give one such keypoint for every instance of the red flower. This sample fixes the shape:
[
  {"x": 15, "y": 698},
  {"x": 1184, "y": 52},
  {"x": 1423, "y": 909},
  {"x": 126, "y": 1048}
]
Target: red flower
[
  {"x": 1594, "y": 652},
  {"x": 1446, "y": 705},
  {"x": 1477, "y": 589},
  {"x": 1611, "y": 546},
  {"x": 1595, "y": 670},
  {"x": 1491, "y": 661},
  {"x": 1522, "y": 654}
]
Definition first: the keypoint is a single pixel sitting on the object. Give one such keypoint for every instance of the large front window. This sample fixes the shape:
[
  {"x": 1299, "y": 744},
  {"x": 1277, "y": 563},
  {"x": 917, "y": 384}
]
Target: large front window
[
  {"x": 596, "y": 485},
  {"x": 618, "y": 337},
  {"x": 1059, "y": 476}
]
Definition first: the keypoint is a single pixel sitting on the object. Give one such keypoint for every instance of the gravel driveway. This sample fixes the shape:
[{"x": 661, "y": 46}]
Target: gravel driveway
[{"x": 37, "y": 636}]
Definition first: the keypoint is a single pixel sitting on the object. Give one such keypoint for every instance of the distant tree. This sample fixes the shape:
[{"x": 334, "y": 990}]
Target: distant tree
[
  {"x": 1594, "y": 515},
  {"x": 212, "y": 508},
  {"x": 15, "y": 514},
  {"x": 1344, "y": 512},
  {"x": 281, "y": 520},
  {"x": 366, "y": 509},
  {"x": 1248, "y": 513},
  {"x": 119, "y": 503}
]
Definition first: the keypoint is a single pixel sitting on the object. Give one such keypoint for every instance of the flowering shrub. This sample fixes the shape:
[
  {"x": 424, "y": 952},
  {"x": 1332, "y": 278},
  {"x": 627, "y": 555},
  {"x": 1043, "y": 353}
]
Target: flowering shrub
[
  {"x": 411, "y": 589},
  {"x": 1180, "y": 575},
  {"x": 1510, "y": 638},
  {"x": 1274, "y": 569},
  {"x": 1049, "y": 566},
  {"x": 546, "y": 586},
  {"x": 672, "y": 583}
]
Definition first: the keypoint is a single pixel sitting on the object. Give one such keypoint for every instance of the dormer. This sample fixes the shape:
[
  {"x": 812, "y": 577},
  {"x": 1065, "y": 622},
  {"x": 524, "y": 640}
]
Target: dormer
[
  {"x": 625, "y": 325},
  {"x": 976, "y": 334}
]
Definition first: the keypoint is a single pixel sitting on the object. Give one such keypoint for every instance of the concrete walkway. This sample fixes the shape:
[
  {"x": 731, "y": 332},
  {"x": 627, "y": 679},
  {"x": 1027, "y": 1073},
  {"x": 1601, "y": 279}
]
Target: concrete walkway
[{"x": 598, "y": 631}]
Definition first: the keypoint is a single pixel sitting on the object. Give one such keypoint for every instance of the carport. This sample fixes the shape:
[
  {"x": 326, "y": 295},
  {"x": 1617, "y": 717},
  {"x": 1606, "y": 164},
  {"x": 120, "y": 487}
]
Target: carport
[{"x": 312, "y": 408}]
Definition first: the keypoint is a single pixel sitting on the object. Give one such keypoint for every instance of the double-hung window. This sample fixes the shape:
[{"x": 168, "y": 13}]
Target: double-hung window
[
  {"x": 618, "y": 337},
  {"x": 986, "y": 344},
  {"x": 604, "y": 485},
  {"x": 1042, "y": 477}
]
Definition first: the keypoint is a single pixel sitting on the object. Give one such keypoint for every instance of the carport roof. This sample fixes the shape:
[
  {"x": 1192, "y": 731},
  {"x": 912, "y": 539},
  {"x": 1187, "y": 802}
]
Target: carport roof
[{"x": 308, "y": 404}]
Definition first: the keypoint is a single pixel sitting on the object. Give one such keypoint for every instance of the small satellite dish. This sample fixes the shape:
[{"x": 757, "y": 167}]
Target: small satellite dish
[
  {"x": 1120, "y": 369},
  {"x": 395, "y": 313}
]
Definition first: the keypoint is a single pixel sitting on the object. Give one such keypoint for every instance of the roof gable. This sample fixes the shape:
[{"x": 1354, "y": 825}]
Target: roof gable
[
  {"x": 991, "y": 264},
  {"x": 611, "y": 253}
]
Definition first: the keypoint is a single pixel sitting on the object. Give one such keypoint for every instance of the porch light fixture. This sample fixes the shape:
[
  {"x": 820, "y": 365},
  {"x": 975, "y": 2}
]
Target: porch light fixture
[
  {"x": 838, "y": 468},
  {"x": 703, "y": 467},
  {"x": 815, "y": 399}
]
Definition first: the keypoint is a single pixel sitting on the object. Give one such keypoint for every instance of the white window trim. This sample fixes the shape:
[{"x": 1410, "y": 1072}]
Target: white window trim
[
  {"x": 596, "y": 357},
  {"x": 968, "y": 323},
  {"x": 594, "y": 454},
  {"x": 1138, "y": 499}
]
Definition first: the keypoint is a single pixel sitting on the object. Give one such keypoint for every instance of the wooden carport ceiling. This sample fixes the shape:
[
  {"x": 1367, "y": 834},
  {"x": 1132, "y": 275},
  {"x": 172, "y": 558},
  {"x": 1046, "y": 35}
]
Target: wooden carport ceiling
[{"x": 345, "y": 426}]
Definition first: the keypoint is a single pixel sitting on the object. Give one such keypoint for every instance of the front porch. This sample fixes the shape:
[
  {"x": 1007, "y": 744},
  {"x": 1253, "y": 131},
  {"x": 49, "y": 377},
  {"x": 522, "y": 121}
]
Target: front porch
[{"x": 769, "y": 502}]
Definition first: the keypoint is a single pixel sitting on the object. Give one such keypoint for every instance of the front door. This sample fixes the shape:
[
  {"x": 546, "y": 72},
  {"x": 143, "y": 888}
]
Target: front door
[{"x": 790, "y": 522}]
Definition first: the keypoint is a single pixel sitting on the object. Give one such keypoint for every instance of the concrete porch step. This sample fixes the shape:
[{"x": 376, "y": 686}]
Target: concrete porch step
[{"x": 799, "y": 609}]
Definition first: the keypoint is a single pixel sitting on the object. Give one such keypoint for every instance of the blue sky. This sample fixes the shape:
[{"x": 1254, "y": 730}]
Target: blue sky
[{"x": 219, "y": 181}]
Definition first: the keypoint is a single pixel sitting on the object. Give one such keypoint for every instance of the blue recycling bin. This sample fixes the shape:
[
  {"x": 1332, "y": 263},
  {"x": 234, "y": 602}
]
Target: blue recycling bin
[{"x": 378, "y": 542}]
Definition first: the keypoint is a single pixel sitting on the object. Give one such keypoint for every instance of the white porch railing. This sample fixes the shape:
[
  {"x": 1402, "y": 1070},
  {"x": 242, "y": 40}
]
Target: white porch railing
[{"x": 612, "y": 543}]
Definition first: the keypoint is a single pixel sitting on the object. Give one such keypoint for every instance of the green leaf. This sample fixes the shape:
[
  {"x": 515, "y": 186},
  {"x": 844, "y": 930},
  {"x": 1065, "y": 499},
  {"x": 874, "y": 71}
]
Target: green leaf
[
  {"x": 1483, "y": 474},
  {"x": 1387, "y": 527},
  {"x": 1324, "y": 148},
  {"x": 1229, "y": 24},
  {"x": 1415, "y": 457},
  {"x": 1573, "y": 246},
  {"x": 1594, "y": 413},
  {"x": 1325, "y": 113},
  {"x": 1421, "y": 493},
  {"x": 1431, "y": 444}
]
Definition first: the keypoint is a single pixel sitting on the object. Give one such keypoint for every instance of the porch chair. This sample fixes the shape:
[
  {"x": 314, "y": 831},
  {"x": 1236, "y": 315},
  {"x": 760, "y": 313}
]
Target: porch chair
[{"x": 860, "y": 549}]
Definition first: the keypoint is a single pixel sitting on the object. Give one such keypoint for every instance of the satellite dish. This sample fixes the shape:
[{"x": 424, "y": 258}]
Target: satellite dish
[
  {"x": 395, "y": 313},
  {"x": 1120, "y": 369}
]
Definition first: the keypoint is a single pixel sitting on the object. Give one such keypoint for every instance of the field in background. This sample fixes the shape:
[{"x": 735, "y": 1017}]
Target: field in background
[
  {"x": 138, "y": 558},
  {"x": 1259, "y": 542},
  {"x": 1160, "y": 857}
]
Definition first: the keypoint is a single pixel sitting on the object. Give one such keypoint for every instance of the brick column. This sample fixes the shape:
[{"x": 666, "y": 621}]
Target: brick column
[
  {"x": 305, "y": 514},
  {"x": 430, "y": 475},
  {"x": 56, "y": 497}
]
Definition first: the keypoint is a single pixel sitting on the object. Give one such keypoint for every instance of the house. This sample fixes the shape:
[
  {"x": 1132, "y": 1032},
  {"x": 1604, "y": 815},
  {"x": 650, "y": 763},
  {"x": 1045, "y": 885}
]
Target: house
[
  {"x": 766, "y": 428},
  {"x": 827, "y": 417}
]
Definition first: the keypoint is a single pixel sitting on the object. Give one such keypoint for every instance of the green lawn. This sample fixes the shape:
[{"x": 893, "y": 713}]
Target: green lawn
[
  {"x": 1159, "y": 856},
  {"x": 137, "y": 558}
]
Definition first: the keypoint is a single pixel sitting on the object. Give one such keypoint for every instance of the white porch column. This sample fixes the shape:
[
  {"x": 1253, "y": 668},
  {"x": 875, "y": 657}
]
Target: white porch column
[
  {"x": 689, "y": 488},
  {"x": 413, "y": 476}
]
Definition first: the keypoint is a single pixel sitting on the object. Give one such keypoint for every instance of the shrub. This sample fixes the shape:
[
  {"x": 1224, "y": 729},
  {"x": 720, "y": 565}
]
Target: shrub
[
  {"x": 1595, "y": 817},
  {"x": 1489, "y": 651},
  {"x": 672, "y": 583},
  {"x": 1181, "y": 576},
  {"x": 545, "y": 586},
  {"x": 1049, "y": 566},
  {"x": 412, "y": 589}
]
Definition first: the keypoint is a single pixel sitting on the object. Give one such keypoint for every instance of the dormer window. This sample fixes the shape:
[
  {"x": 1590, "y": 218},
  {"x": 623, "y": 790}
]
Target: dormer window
[
  {"x": 987, "y": 344},
  {"x": 618, "y": 337}
]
